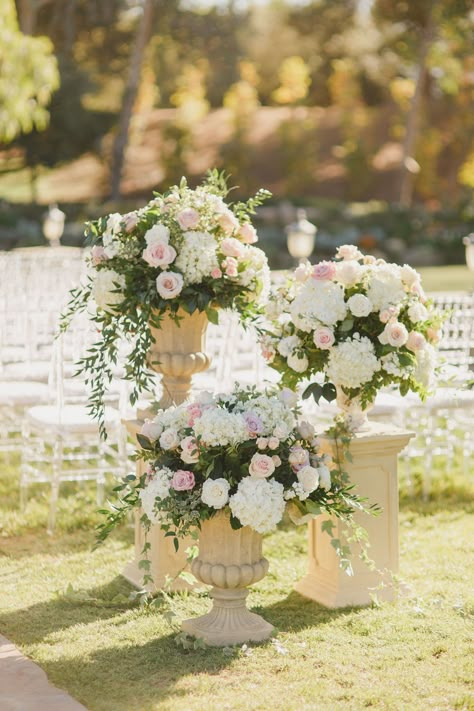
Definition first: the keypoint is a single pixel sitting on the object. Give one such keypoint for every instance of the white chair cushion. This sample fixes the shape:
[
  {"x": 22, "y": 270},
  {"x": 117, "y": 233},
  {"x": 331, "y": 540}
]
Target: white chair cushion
[
  {"x": 21, "y": 394},
  {"x": 70, "y": 418}
]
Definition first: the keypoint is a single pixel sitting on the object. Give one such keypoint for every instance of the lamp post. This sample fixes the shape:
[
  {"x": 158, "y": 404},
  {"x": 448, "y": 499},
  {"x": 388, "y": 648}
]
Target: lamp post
[
  {"x": 468, "y": 242},
  {"x": 300, "y": 236},
  {"x": 53, "y": 225}
]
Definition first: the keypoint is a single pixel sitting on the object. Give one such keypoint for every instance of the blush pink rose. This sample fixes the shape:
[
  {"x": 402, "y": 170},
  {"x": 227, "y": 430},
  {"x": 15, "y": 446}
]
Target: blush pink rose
[
  {"x": 415, "y": 341},
  {"x": 261, "y": 466},
  {"x": 183, "y": 480},
  {"x": 216, "y": 273},
  {"x": 323, "y": 338},
  {"x": 302, "y": 272},
  {"x": 276, "y": 460},
  {"x": 169, "y": 284},
  {"x": 395, "y": 334},
  {"x": 98, "y": 254},
  {"x": 189, "y": 450},
  {"x": 262, "y": 442},
  {"x": 194, "y": 412},
  {"x": 130, "y": 221},
  {"x": 417, "y": 289},
  {"x": 273, "y": 443},
  {"x": 324, "y": 271},
  {"x": 231, "y": 271},
  {"x": 228, "y": 221},
  {"x": 231, "y": 247},
  {"x": 159, "y": 255},
  {"x": 433, "y": 334},
  {"x": 188, "y": 218},
  {"x": 248, "y": 233},
  {"x": 386, "y": 314},
  {"x": 254, "y": 423}
]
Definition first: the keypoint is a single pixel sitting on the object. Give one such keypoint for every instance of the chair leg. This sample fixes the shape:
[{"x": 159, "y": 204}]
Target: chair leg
[{"x": 57, "y": 467}]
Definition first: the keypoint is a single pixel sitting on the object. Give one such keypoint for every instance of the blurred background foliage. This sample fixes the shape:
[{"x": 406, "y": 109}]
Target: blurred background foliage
[{"x": 360, "y": 110}]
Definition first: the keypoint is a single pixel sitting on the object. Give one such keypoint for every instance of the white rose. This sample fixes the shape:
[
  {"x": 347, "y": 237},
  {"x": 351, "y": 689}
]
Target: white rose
[
  {"x": 308, "y": 477},
  {"x": 306, "y": 430},
  {"x": 151, "y": 429},
  {"x": 158, "y": 234},
  {"x": 359, "y": 305},
  {"x": 409, "y": 275},
  {"x": 169, "y": 439},
  {"x": 215, "y": 493},
  {"x": 324, "y": 477},
  {"x": 348, "y": 251},
  {"x": 169, "y": 284},
  {"x": 417, "y": 312},
  {"x": 349, "y": 272},
  {"x": 298, "y": 363}
]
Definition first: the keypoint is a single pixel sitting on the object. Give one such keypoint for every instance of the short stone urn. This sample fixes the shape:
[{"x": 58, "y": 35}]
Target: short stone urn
[
  {"x": 229, "y": 560},
  {"x": 177, "y": 354},
  {"x": 355, "y": 417}
]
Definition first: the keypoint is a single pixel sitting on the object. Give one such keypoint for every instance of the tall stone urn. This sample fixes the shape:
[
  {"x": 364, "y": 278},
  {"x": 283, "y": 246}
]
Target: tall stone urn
[
  {"x": 229, "y": 560},
  {"x": 178, "y": 353}
]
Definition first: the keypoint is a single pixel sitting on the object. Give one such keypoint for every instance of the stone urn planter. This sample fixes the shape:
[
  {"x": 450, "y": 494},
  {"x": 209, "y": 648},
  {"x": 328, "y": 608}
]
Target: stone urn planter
[
  {"x": 229, "y": 560},
  {"x": 177, "y": 354},
  {"x": 355, "y": 417}
]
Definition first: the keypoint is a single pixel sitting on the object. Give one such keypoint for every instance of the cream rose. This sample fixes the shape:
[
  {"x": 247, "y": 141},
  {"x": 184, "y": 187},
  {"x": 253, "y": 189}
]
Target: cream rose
[
  {"x": 169, "y": 439},
  {"x": 298, "y": 458},
  {"x": 261, "y": 466},
  {"x": 228, "y": 222},
  {"x": 348, "y": 251},
  {"x": 188, "y": 218},
  {"x": 231, "y": 247},
  {"x": 308, "y": 477},
  {"x": 215, "y": 493},
  {"x": 395, "y": 334},
  {"x": 415, "y": 341},
  {"x": 189, "y": 450},
  {"x": 169, "y": 284}
]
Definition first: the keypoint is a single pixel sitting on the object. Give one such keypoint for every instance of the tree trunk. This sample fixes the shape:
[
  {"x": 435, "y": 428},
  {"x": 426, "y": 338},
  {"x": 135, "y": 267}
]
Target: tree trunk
[
  {"x": 69, "y": 26},
  {"x": 121, "y": 140},
  {"x": 28, "y": 13},
  {"x": 413, "y": 118}
]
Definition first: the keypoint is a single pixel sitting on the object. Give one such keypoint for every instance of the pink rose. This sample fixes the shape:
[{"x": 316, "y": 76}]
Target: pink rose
[
  {"x": 273, "y": 443},
  {"x": 254, "y": 423},
  {"x": 395, "y": 334},
  {"x": 262, "y": 442},
  {"x": 189, "y": 450},
  {"x": 261, "y": 466},
  {"x": 298, "y": 458},
  {"x": 302, "y": 272},
  {"x": 323, "y": 338},
  {"x": 169, "y": 284},
  {"x": 276, "y": 460},
  {"x": 417, "y": 289},
  {"x": 216, "y": 273},
  {"x": 182, "y": 480},
  {"x": 415, "y": 341},
  {"x": 248, "y": 233},
  {"x": 231, "y": 271},
  {"x": 231, "y": 247},
  {"x": 386, "y": 314},
  {"x": 130, "y": 221},
  {"x": 228, "y": 221},
  {"x": 194, "y": 411},
  {"x": 324, "y": 271},
  {"x": 188, "y": 218},
  {"x": 98, "y": 255},
  {"x": 348, "y": 251},
  {"x": 159, "y": 255}
]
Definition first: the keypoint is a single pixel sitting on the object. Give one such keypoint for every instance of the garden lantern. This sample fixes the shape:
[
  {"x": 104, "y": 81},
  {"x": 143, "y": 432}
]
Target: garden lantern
[{"x": 300, "y": 236}]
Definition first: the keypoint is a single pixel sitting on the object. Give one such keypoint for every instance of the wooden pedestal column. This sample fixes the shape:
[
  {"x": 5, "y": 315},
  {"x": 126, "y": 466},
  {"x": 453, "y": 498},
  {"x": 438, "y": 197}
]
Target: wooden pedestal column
[
  {"x": 374, "y": 472},
  {"x": 165, "y": 561}
]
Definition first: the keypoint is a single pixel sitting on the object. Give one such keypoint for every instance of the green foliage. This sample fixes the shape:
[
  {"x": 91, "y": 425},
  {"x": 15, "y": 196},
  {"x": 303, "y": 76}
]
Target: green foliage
[{"x": 29, "y": 76}]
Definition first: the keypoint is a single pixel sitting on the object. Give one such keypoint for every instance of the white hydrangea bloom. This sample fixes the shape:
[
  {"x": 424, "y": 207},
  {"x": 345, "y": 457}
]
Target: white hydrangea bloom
[
  {"x": 157, "y": 488},
  {"x": 273, "y": 413},
  {"x": 217, "y": 427},
  {"x": 318, "y": 302},
  {"x": 105, "y": 282},
  {"x": 258, "y": 503},
  {"x": 287, "y": 345},
  {"x": 391, "y": 364},
  {"x": 426, "y": 361},
  {"x": 197, "y": 256},
  {"x": 417, "y": 312},
  {"x": 352, "y": 363},
  {"x": 385, "y": 287}
]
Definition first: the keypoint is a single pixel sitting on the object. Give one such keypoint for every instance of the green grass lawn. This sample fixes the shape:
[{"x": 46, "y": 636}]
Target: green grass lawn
[
  {"x": 112, "y": 656},
  {"x": 455, "y": 277}
]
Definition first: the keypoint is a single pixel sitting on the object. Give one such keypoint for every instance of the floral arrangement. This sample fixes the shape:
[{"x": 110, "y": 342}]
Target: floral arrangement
[
  {"x": 244, "y": 452},
  {"x": 186, "y": 249},
  {"x": 359, "y": 321}
]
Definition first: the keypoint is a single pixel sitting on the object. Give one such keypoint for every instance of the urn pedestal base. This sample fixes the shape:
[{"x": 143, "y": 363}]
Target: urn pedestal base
[
  {"x": 373, "y": 470},
  {"x": 229, "y": 622}
]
